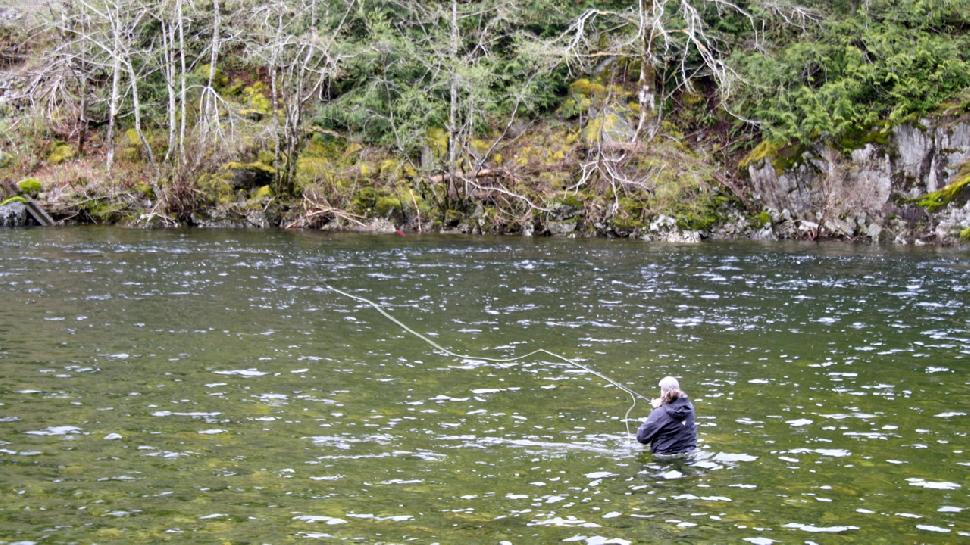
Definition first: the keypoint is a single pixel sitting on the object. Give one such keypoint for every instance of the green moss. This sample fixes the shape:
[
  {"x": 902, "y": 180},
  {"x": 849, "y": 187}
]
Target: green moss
[
  {"x": 312, "y": 170},
  {"x": 220, "y": 80},
  {"x": 569, "y": 200},
  {"x": 5, "y": 160},
  {"x": 61, "y": 152},
  {"x": 255, "y": 165},
  {"x": 216, "y": 188},
  {"x": 586, "y": 87},
  {"x": 782, "y": 156},
  {"x": 364, "y": 200},
  {"x": 965, "y": 235},
  {"x": 609, "y": 124},
  {"x": 145, "y": 189},
  {"x": 261, "y": 192},
  {"x": 30, "y": 187},
  {"x": 257, "y": 103},
  {"x": 438, "y": 141},
  {"x": 764, "y": 150},
  {"x": 325, "y": 145},
  {"x": 15, "y": 198},
  {"x": 959, "y": 188},
  {"x": 859, "y": 138},
  {"x": 104, "y": 211},
  {"x": 626, "y": 224},
  {"x": 696, "y": 220},
  {"x": 629, "y": 216}
]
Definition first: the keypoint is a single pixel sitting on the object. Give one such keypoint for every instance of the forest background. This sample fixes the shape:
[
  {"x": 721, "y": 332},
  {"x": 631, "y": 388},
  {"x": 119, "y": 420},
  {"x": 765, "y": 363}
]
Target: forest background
[{"x": 511, "y": 116}]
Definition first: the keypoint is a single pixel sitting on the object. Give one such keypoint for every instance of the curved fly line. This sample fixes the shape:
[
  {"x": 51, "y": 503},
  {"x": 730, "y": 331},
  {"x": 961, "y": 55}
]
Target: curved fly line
[{"x": 634, "y": 396}]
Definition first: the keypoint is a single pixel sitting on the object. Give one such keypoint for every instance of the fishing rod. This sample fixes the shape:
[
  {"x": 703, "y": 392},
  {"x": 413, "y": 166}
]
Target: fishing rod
[{"x": 634, "y": 396}]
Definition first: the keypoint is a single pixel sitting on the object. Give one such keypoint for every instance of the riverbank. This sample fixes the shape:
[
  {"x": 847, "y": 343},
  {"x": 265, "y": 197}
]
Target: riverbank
[{"x": 888, "y": 192}]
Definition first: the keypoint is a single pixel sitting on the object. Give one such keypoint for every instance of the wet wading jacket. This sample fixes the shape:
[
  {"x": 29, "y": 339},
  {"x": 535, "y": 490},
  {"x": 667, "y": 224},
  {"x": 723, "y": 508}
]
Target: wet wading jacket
[{"x": 670, "y": 428}]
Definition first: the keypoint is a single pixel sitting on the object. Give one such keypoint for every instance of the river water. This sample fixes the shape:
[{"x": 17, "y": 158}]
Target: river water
[{"x": 204, "y": 387}]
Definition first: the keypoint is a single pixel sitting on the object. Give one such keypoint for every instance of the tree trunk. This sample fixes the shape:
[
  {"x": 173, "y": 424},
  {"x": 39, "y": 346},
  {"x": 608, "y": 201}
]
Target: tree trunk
[
  {"x": 647, "y": 84},
  {"x": 182, "y": 90},
  {"x": 453, "y": 104},
  {"x": 113, "y": 101},
  {"x": 136, "y": 106},
  {"x": 208, "y": 98},
  {"x": 168, "y": 38}
]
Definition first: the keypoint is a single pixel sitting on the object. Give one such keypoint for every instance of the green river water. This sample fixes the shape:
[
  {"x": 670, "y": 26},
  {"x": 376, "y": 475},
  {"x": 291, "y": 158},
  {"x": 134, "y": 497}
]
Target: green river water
[{"x": 203, "y": 387}]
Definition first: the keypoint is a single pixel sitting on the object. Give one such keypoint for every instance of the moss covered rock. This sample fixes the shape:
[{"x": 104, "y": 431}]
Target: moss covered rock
[
  {"x": 15, "y": 198},
  {"x": 60, "y": 153},
  {"x": 30, "y": 187},
  {"x": 250, "y": 175},
  {"x": 957, "y": 191}
]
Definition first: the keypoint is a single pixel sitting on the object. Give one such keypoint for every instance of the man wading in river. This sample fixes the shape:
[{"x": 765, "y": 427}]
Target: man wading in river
[{"x": 670, "y": 427}]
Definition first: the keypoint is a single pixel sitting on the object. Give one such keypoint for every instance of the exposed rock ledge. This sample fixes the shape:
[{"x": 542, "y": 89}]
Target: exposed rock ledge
[{"x": 870, "y": 192}]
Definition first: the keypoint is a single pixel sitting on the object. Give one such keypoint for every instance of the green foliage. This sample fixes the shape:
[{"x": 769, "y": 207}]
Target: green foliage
[
  {"x": 201, "y": 73},
  {"x": 965, "y": 235},
  {"x": 30, "y": 187},
  {"x": 896, "y": 60},
  {"x": 104, "y": 211},
  {"x": 761, "y": 219},
  {"x": 365, "y": 200},
  {"x": 60, "y": 153},
  {"x": 386, "y": 205}
]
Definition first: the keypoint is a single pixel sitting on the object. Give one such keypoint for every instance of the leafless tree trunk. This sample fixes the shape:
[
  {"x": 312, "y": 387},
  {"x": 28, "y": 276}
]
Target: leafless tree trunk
[
  {"x": 115, "y": 91},
  {"x": 168, "y": 59},
  {"x": 453, "y": 101},
  {"x": 182, "y": 88},
  {"x": 136, "y": 108},
  {"x": 209, "y": 106},
  {"x": 300, "y": 60}
]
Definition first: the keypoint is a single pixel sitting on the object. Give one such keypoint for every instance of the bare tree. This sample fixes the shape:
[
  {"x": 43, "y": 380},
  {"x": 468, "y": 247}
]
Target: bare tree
[{"x": 297, "y": 42}]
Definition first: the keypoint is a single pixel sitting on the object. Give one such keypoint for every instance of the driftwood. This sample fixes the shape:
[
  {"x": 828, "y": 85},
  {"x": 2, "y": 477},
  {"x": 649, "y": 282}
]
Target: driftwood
[{"x": 40, "y": 215}]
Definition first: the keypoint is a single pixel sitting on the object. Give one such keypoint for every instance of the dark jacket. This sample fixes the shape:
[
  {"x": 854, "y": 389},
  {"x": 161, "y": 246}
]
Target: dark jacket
[{"x": 670, "y": 428}]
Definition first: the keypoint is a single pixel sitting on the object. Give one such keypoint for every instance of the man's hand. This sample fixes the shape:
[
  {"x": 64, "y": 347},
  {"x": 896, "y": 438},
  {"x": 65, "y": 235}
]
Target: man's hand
[{"x": 655, "y": 402}]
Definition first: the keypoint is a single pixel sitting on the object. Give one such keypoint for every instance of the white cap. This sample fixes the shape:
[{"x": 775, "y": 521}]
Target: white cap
[{"x": 669, "y": 383}]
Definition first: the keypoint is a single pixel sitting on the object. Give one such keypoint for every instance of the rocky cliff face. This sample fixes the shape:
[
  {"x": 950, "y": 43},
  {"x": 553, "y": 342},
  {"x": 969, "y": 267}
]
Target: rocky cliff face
[{"x": 871, "y": 191}]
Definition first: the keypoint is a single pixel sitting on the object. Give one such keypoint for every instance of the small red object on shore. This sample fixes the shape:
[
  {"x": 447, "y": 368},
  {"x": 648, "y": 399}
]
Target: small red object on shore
[{"x": 399, "y": 232}]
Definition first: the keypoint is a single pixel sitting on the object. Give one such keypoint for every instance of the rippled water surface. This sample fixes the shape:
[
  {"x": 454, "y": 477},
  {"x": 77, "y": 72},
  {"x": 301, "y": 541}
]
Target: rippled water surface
[{"x": 203, "y": 387}]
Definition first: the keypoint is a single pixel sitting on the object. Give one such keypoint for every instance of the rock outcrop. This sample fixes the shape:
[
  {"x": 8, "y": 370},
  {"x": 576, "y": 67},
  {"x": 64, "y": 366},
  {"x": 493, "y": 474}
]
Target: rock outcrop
[
  {"x": 870, "y": 192},
  {"x": 13, "y": 215}
]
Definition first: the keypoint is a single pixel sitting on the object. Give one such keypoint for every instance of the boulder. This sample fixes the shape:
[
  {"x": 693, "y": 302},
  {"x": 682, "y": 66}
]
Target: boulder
[
  {"x": 13, "y": 215},
  {"x": 561, "y": 228}
]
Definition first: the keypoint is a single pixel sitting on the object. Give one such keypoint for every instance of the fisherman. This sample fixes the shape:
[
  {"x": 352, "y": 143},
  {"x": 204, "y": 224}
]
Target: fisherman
[{"x": 670, "y": 427}]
